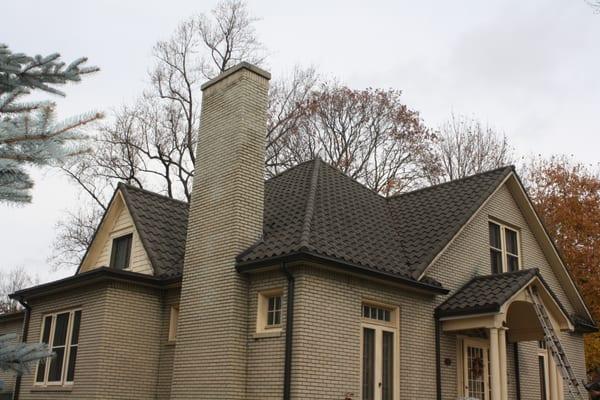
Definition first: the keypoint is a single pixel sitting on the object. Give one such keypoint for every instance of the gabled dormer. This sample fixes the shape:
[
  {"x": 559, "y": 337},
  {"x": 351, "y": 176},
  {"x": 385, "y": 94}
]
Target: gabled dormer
[{"x": 141, "y": 232}]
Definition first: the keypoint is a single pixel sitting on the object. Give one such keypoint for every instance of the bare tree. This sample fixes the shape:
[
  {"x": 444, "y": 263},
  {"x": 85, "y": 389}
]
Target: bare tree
[
  {"x": 11, "y": 281},
  {"x": 370, "y": 135},
  {"x": 151, "y": 144},
  {"x": 463, "y": 147}
]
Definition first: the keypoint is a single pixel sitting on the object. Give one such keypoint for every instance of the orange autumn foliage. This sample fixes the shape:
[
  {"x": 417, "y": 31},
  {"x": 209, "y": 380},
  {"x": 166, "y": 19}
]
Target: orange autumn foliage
[{"x": 567, "y": 197}]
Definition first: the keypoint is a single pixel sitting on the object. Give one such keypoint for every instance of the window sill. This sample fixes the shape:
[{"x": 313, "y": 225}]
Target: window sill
[
  {"x": 56, "y": 388},
  {"x": 268, "y": 334}
]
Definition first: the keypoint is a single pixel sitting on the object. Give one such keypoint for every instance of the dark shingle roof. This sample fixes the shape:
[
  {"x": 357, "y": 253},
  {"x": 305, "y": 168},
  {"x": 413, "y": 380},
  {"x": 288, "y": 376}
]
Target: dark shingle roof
[
  {"x": 161, "y": 223},
  {"x": 497, "y": 289},
  {"x": 313, "y": 208},
  {"x": 428, "y": 219}
]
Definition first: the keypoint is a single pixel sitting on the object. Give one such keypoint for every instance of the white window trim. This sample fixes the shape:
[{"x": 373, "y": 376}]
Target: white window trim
[
  {"x": 263, "y": 308},
  {"x": 503, "y": 228},
  {"x": 544, "y": 353},
  {"x": 173, "y": 320},
  {"x": 380, "y": 326},
  {"x": 63, "y": 379}
]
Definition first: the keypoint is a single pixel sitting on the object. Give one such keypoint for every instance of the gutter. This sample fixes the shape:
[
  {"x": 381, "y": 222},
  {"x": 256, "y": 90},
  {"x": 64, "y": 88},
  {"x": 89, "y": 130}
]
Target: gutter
[
  {"x": 23, "y": 340},
  {"x": 517, "y": 370},
  {"x": 305, "y": 255},
  {"x": 289, "y": 326},
  {"x": 438, "y": 357}
]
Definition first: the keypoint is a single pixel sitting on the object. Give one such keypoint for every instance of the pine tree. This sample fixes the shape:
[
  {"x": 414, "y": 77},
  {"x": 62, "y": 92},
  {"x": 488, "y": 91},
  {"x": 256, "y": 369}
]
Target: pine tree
[{"x": 29, "y": 134}]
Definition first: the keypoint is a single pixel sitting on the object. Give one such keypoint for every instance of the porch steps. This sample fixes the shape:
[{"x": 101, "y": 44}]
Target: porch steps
[{"x": 556, "y": 348}]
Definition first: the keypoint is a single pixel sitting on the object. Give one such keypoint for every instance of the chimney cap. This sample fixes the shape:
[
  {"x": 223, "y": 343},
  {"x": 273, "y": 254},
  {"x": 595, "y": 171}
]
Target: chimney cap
[{"x": 233, "y": 70}]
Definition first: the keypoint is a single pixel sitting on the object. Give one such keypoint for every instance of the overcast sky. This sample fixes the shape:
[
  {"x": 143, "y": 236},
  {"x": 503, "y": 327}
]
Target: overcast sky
[{"x": 529, "y": 68}]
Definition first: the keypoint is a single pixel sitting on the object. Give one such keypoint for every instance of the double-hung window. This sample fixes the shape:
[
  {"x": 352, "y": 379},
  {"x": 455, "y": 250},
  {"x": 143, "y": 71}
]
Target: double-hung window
[
  {"x": 60, "y": 331},
  {"x": 504, "y": 248}
]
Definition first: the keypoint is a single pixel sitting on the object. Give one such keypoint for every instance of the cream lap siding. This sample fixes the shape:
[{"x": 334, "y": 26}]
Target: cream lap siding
[
  {"x": 139, "y": 261},
  {"x": 468, "y": 256},
  {"x": 12, "y": 326}
]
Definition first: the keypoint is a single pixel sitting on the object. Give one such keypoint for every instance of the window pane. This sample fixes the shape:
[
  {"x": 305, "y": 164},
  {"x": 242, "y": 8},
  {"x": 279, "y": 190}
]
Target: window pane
[
  {"x": 41, "y": 371},
  {"x": 513, "y": 263},
  {"x": 512, "y": 242},
  {"x": 270, "y": 318},
  {"x": 56, "y": 364},
  {"x": 60, "y": 332},
  {"x": 366, "y": 311},
  {"x": 496, "y": 260},
  {"x": 495, "y": 235},
  {"x": 76, "y": 322},
  {"x": 387, "y": 372},
  {"x": 121, "y": 249},
  {"x": 368, "y": 378},
  {"x": 542, "y": 372},
  {"x": 71, "y": 367},
  {"x": 47, "y": 326},
  {"x": 277, "y": 317}
]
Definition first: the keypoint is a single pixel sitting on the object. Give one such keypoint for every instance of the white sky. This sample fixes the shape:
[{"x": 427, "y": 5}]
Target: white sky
[{"x": 529, "y": 68}]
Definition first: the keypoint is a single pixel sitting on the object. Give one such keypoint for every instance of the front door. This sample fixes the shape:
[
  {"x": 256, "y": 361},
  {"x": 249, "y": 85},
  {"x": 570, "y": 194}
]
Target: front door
[
  {"x": 378, "y": 363},
  {"x": 476, "y": 369}
]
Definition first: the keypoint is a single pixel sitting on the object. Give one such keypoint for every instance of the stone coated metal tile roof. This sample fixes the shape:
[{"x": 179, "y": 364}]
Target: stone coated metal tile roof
[
  {"x": 161, "y": 223},
  {"x": 485, "y": 293},
  {"x": 314, "y": 208}
]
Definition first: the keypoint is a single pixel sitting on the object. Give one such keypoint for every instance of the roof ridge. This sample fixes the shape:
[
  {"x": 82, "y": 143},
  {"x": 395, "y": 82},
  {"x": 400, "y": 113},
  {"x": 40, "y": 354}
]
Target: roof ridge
[
  {"x": 129, "y": 186},
  {"x": 293, "y": 167},
  {"x": 464, "y": 178},
  {"x": 310, "y": 204}
]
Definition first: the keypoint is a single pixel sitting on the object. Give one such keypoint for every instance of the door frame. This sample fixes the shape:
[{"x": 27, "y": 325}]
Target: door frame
[
  {"x": 379, "y": 327},
  {"x": 484, "y": 344}
]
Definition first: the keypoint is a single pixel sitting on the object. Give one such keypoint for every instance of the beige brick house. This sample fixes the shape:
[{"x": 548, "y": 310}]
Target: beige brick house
[{"x": 306, "y": 286}]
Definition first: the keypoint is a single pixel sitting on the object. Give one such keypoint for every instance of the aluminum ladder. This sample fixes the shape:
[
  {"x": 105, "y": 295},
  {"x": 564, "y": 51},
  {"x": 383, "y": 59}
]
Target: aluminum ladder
[{"x": 556, "y": 348}]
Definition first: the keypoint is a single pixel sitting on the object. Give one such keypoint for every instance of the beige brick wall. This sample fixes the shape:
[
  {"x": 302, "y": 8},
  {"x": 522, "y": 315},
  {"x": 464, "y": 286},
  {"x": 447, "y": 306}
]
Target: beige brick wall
[
  {"x": 265, "y": 354},
  {"x": 120, "y": 347},
  {"x": 327, "y": 334},
  {"x": 467, "y": 257},
  {"x": 225, "y": 218},
  {"x": 12, "y": 325}
]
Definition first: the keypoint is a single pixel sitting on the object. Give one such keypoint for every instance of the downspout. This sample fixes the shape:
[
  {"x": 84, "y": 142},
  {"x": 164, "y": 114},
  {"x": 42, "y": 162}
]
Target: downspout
[
  {"x": 289, "y": 325},
  {"x": 438, "y": 368},
  {"x": 23, "y": 339},
  {"x": 517, "y": 369}
]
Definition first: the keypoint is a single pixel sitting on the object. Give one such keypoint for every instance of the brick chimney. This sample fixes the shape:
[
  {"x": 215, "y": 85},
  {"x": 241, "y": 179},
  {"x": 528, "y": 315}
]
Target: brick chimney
[{"x": 225, "y": 217}]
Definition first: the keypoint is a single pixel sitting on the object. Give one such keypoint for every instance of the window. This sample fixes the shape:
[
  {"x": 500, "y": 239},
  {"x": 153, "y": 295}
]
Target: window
[
  {"x": 173, "y": 319},
  {"x": 504, "y": 248},
  {"x": 543, "y": 370},
  {"x": 61, "y": 332},
  {"x": 379, "y": 353},
  {"x": 269, "y": 311},
  {"x": 274, "y": 311},
  {"x": 121, "y": 250}
]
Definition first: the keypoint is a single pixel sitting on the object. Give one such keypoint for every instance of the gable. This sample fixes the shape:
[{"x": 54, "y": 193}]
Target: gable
[
  {"x": 468, "y": 253},
  {"x": 116, "y": 222}
]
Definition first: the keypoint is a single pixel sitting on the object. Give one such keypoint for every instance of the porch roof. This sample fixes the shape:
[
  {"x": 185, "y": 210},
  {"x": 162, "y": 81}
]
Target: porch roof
[{"x": 488, "y": 293}]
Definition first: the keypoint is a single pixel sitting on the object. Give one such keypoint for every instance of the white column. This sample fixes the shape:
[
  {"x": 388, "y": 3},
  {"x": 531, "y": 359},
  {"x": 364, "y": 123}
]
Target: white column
[
  {"x": 552, "y": 377},
  {"x": 503, "y": 364},
  {"x": 495, "y": 365}
]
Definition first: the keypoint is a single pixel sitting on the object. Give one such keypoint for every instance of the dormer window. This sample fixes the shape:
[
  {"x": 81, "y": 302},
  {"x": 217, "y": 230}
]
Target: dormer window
[
  {"x": 121, "y": 251},
  {"x": 504, "y": 248}
]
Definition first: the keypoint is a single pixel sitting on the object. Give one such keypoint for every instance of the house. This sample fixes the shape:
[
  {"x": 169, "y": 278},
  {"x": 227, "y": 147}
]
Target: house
[{"x": 307, "y": 286}]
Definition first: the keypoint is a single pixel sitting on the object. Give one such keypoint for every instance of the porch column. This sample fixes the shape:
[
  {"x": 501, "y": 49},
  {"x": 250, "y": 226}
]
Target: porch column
[
  {"x": 552, "y": 375},
  {"x": 495, "y": 365},
  {"x": 503, "y": 364}
]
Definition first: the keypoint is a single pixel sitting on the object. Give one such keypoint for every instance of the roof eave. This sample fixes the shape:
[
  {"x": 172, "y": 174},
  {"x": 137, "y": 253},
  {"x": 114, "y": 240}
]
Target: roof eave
[
  {"x": 306, "y": 255},
  {"x": 97, "y": 275}
]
